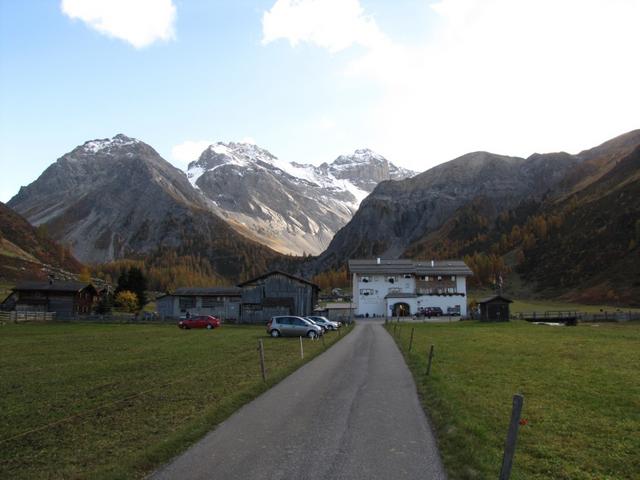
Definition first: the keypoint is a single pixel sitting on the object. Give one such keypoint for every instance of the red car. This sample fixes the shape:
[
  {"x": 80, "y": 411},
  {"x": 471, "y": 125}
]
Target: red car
[{"x": 203, "y": 321}]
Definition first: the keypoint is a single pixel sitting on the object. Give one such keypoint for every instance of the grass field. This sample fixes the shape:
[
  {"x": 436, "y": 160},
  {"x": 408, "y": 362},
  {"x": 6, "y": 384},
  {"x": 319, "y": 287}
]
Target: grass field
[
  {"x": 519, "y": 306},
  {"x": 581, "y": 387},
  {"x": 523, "y": 304},
  {"x": 115, "y": 401}
]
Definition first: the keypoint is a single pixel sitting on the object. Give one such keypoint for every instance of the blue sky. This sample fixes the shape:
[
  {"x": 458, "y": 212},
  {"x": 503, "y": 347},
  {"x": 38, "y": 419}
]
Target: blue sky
[{"x": 418, "y": 81}]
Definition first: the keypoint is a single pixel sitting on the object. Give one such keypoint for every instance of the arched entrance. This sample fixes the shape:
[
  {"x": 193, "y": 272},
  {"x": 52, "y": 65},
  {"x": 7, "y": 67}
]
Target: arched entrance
[{"x": 401, "y": 309}]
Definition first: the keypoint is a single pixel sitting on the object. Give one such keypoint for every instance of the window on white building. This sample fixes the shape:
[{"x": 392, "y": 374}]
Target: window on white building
[
  {"x": 364, "y": 279},
  {"x": 366, "y": 291}
]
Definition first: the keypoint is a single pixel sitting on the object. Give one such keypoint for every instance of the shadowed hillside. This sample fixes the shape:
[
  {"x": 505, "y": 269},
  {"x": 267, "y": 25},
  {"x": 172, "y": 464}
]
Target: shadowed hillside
[{"x": 28, "y": 252}]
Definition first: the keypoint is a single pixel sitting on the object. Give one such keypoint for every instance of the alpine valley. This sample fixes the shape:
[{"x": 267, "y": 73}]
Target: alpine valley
[{"x": 563, "y": 225}]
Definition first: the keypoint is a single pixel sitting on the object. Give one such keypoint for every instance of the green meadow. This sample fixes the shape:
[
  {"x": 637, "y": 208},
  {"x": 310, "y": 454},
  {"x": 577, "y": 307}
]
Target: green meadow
[
  {"x": 117, "y": 401},
  {"x": 581, "y": 388}
]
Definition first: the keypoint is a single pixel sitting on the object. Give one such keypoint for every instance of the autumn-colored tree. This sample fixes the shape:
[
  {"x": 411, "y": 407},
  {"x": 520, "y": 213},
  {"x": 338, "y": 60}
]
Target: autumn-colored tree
[
  {"x": 127, "y": 301},
  {"x": 332, "y": 279},
  {"x": 133, "y": 280},
  {"x": 85, "y": 275}
]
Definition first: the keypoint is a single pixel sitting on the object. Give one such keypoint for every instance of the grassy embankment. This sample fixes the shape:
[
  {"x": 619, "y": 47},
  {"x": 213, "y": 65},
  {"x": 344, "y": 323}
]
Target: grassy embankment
[
  {"x": 116, "y": 401},
  {"x": 581, "y": 387}
]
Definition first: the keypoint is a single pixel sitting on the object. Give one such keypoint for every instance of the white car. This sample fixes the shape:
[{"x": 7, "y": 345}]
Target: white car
[{"x": 325, "y": 322}]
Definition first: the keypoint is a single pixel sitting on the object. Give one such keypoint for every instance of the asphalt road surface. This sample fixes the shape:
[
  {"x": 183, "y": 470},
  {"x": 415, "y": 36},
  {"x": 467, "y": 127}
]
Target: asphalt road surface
[{"x": 351, "y": 413}]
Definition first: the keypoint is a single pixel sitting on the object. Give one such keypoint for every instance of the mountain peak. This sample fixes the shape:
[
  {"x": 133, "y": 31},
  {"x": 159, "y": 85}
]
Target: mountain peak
[
  {"x": 107, "y": 144},
  {"x": 361, "y": 155}
]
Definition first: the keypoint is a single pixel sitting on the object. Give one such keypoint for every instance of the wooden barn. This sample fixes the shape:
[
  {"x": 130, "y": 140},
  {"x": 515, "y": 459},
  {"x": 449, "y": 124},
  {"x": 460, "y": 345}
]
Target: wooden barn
[
  {"x": 494, "y": 309},
  {"x": 221, "y": 302},
  {"x": 62, "y": 298},
  {"x": 277, "y": 293}
]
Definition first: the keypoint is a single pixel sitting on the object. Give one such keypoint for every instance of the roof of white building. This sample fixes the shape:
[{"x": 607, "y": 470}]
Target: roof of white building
[{"x": 416, "y": 267}]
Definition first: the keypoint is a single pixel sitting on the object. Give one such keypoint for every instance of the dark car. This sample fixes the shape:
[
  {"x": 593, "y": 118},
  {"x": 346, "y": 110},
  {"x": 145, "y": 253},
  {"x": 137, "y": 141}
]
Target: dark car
[
  {"x": 202, "y": 321},
  {"x": 431, "y": 312}
]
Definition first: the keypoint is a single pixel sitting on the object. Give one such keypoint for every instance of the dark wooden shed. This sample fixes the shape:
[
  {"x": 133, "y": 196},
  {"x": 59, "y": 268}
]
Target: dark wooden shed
[
  {"x": 63, "y": 298},
  {"x": 494, "y": 309},
  {"x": 277, "y": 293}
]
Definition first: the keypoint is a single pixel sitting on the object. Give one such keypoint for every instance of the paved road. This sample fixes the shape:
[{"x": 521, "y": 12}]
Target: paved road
[{"x": 351, "y": 413}]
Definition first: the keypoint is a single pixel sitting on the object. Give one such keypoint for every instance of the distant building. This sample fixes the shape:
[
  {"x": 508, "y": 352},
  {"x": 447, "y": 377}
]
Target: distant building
[
  {"x": 494, "y": 309},
  {"x": 253, "y": 301},
  {"x": 221, "y": 302},
  {"x": 62, "y": 298},
  {"x": 338, "y": 311},
  {"x": 405, "y": 287}
]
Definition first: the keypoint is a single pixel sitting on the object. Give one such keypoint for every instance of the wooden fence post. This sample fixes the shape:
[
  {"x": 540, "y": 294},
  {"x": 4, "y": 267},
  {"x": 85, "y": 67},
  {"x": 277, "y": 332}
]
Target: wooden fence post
[
  {"x": 430, "y": 359},
  {"x": 512, "y": 436},
  {"x": 301, "y": 349},
  {"x": 262, "y": 367},
  {"x": 411, "y": 339}
]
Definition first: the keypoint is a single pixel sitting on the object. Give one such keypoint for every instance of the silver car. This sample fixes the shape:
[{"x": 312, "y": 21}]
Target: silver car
[{"x": 290, "y": 326}]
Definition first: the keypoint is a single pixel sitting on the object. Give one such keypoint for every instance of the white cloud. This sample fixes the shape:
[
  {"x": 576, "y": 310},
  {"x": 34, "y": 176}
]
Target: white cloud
[
  {"x": 188, "y": 151},
  {"x": 138, "y": 22},
  {"x": 508, "y": 76},
  {"x": 7, "y": 193},
  {"x": 331, "y": 24}
]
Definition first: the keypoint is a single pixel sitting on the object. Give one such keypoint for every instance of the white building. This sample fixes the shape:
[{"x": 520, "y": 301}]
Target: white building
[{"x": 404, "y": 287}]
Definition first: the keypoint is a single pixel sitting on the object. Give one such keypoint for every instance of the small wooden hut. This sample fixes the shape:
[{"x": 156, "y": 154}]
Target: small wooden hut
[{"x": 494, "y": 309}]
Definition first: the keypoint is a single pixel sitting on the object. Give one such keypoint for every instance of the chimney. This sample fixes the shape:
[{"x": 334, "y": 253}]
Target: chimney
[
  {"x": 433, "y": 263},
  {"x": 378, "y": 260},
  {"x": 51, "y": 279}
]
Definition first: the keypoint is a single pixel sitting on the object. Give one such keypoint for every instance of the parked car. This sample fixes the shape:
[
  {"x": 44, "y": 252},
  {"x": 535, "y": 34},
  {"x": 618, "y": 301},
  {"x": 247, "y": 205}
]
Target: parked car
[
  {"x": 325, "y": 322},
  {"x": 323, "y": 327},
  {"x": 290, "y": 326},
  {"x": 430, "y": 312},
  {"x": 202, "y": 321}
]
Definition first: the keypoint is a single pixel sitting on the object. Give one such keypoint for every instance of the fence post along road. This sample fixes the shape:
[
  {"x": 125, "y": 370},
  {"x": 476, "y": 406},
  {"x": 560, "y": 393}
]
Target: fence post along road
[{"x": 512, "y": 436}]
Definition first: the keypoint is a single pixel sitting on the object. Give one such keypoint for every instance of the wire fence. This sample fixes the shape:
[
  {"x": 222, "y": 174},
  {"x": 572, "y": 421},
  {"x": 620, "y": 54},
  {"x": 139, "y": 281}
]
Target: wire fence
[{"x": 568, "y": 315}]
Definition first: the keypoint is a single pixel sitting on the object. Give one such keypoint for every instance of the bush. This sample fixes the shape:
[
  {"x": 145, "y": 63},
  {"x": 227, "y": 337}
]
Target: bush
[{"x": 127, "y": 301}]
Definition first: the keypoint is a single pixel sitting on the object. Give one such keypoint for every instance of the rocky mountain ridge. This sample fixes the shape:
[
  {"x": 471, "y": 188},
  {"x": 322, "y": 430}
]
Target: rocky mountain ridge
[
  {"x": 569, "y": 221},
  {"x": 293, "y": 208},
  {"x": 118, "y": 198}
]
